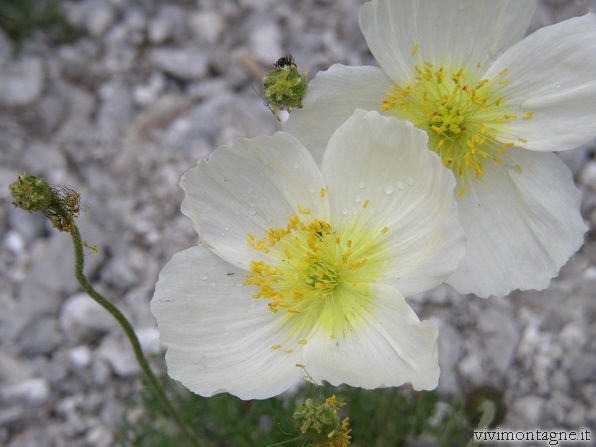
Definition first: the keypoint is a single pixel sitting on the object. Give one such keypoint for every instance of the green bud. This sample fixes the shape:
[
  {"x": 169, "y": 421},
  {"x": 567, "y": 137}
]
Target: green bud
[
  {"x": 316, "y": 421},
  {"x": 31, "y": 193},
  {"x": 284, "y": 87}
]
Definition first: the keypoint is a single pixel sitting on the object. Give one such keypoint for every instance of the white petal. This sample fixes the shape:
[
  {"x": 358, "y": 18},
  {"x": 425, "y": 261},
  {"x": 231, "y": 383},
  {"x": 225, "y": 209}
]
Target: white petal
[
  {"x": 520, "y": 227},
  {"x": 249, "y": 186},
  {"x": 386, "y": 161},
  {"x": 218, "y": 338},
  {"x": 332, "y": 97},
  {"x": 392, "y": 349},
  {"x": 448, "y": 32},
  {"x": 551, "y": 74}
]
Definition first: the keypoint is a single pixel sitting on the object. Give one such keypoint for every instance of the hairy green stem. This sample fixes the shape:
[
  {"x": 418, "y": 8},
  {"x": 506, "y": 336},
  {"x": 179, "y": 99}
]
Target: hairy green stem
[{"x": 128, "y": 330}]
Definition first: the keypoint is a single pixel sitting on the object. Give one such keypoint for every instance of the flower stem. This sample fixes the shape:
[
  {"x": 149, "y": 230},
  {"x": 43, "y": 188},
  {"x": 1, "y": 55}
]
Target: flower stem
[
  {"x": 61, "y": 206},
  {"x": 488, "y": 414}
]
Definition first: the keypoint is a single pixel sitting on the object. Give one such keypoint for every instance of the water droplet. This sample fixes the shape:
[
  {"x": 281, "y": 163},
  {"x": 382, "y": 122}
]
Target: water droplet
[
  {"x": 261, "y": 174},
  {"x": 268, "y": 218},
  {"x": 252, "y": 211},
  {"x": 389, "y": 189},
  {"x": 222, "y": 234},
  {"x": 345, "y": 211},
  {"x": 361, "y": 185},
  {"x": 357, "y": 199},
  {"x": 410, "y": 181},
  {"x": 237, "y": 213},
  {"x": 311, "y": 188},
  {"x": 238, "y": 283},
  {"x": 296, "y": 165},
  {"x": 203, "y": 277},
  {"x": 212, "y": 285},
  {"x": 401, "y": 185}
]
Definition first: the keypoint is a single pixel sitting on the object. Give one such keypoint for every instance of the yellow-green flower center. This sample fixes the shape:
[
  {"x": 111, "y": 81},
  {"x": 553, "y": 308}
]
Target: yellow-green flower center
[
  {"x": 317, "y": 276},
  {"x": 466, "y": 118}
]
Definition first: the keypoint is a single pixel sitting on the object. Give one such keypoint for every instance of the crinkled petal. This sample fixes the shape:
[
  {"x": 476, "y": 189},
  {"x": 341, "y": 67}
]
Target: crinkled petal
[
  {"x": 218, "y": 338},
  {"x": 332, "y": 97},
  {"x": 250, "y": 186},
  {"x": 521, "y": 227},
  {"x": 448, "y": 32},
  {"x": 391, "y": 349},
  {"x": 551, "y": 74},
  {"x": 386, "y": 161}
]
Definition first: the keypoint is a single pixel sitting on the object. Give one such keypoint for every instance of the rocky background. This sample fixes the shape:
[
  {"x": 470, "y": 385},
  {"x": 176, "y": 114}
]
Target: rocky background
[{"x": 123, "y": 98}]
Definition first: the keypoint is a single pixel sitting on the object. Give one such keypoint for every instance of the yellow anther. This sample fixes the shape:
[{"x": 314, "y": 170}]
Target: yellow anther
[
  {"x": 510, "y": 117},
  {"x": 302, "y": 342},
  {"x": 302, "y": 210},
  {"x": 415, "y": 49},
  {"x": 385, "y": 230},
  {"x": 503, "y": 81},
  {"x": 527, "y": 115},
  {"x": 523, "y": 140},
  {"x": 288, "y": 351},
  {"x": 365, "y": 204},
  {"x": 294, "y": 310},
  {"x": 502, "y": 72},
  {"x": 323, "y": 192},
  {"x": 275, "y": 346}
]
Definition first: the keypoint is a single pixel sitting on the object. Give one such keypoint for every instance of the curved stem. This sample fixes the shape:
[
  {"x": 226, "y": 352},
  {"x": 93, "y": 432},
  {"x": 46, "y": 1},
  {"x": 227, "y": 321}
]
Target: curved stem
[
  {"x": 488, "y": 414},
  {"x": 128, "y": 330}
]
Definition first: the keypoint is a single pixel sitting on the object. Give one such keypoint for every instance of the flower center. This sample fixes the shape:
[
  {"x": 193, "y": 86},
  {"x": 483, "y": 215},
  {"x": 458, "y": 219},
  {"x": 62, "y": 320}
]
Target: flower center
[
  {"x": 316, "y": 275},
  {"x": 466, "y": 118}
]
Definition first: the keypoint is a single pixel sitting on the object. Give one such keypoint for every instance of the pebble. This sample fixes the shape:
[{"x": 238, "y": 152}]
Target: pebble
[
  {"x": 142, "y": 91},
  {"x": 29, "y": 392},
  {"x": 22, "y": 81},
  {"x": 81, "y": 317},
  {"x": 184, "y": 64}
]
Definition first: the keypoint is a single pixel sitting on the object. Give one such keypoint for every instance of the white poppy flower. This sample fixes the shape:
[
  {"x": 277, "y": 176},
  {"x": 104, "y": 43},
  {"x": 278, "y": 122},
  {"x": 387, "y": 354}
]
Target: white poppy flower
[
  {"x": 302, "y": 270},
  {"x": 491, "y": 104}
]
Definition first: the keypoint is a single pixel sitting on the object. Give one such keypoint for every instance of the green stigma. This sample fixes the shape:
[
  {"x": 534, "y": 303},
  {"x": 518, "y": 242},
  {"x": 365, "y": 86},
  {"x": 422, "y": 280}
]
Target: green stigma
[{"x": 284, "y": 87}]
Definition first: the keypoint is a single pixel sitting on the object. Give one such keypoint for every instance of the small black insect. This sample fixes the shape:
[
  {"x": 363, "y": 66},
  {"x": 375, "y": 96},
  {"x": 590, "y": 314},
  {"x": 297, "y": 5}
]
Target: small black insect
[{"x": 286, "y": 61}]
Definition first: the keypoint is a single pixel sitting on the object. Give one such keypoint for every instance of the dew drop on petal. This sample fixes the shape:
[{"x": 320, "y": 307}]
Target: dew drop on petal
[
  {"x": 311, "y": 188},
  {"x": 252, "y": 211},
  {"x": 203, "y": 277},
  {"x": 345, "y": 211},
  {"x": 237, "y": 213},
  {"x": 261, "y": 174},
  {"x": 296, "y": 165},
  {"x": 389, "y": 189},
  {"x": 357, "y": 199},
  {"x": 212, "y": 285},
  {"x": 401, "y": 185},
  {"x": 410, "y": 181},
  {"x": 239, "y": 284},
  {"x": 361, "y": 185}
]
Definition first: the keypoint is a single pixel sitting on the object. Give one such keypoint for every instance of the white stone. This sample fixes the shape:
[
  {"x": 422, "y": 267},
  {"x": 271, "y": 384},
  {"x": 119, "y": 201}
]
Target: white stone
[
  {"x": 265, "y": 42},
  {"x": 587, "y": 175},
  {"x": 186, "y": 64},
  {"x": 80, "y": 356},
  {"x": 81, "y": 315},
  {"x": 22, "y": 82},
  {"x": 149, "y": 339},
  {"x": 120, "y": 356},
  {"x": 35, "y": 391},
  {"x": 206, "y": 26}
]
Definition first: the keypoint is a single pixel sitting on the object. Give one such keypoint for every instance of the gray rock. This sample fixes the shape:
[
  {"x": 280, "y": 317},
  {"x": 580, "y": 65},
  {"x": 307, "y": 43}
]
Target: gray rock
[
  {"x": 170, "y": 22},
  {"x": 22, "y": 81},
  {"x": 185, "y": 64},
  {"x": 82, "y": 317},
  {"x": 206, "y": 26},
  {"x": 29, "y": 392},
  {"x": 41, "y": 336},
  {"x": 119, "y": 355}
]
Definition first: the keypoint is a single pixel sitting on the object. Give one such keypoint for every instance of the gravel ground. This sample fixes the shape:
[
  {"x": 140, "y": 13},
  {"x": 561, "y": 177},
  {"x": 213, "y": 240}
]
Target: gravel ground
[{"x": 144, "y": 90}]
